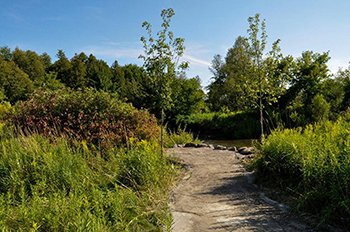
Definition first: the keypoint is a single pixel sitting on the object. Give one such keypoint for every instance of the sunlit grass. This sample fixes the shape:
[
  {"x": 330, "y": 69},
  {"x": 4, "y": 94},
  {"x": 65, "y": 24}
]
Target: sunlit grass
[
  {"x": 52, "y": 186},
  {"x": 315, "y": 163}
]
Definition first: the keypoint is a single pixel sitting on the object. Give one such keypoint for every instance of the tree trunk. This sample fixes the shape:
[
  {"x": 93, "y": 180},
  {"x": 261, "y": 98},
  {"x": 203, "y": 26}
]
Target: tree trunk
[
  {"x": 261, "y": 117},
  {"x": 161, "y": 133}
]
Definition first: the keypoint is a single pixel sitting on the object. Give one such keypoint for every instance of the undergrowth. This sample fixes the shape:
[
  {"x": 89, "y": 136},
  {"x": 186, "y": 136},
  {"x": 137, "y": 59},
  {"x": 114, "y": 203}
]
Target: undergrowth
[
  {"x": 48, "y": 185},
  {"x": 232, "y": 125},
  {"x": 314, "y": 163}
]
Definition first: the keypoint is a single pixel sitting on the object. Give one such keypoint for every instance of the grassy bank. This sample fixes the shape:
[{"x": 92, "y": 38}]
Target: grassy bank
[
  {"x": 233, "y": 125},
  {"x": 52, "y": 186},
  {"x": 314, "y": 164}
]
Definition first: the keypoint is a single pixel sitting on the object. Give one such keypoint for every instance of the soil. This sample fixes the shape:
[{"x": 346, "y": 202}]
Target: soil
[{"x": 218, "y": 194}]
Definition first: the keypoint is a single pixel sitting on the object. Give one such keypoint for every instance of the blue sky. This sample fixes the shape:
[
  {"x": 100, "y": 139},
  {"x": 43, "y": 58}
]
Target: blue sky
[{"x": 111, "y": 29}]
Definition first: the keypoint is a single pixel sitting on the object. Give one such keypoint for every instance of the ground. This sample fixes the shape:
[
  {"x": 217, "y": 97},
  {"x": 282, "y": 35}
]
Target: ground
[{"x": 217, "y": 194}]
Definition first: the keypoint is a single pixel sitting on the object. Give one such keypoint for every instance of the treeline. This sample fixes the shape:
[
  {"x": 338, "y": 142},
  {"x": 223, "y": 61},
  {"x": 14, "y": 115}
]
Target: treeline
[
  {"x": 302, "y": 89},
  {"x": 22, "y": 72}
]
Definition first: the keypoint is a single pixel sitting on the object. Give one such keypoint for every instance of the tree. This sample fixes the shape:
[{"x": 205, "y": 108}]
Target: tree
[
  {"x": 5, "y": 53},
  {"x": 216, "y": 96},
  {"x": 161, "y": 62},
  {"x": 62, "y": 67},
  {"x": 77, "y": 73},
  {"x": 99, "y": 74},
  {"x": 29, "y": 62},
  {"x": 46, "y": 59},
  {"x": 264, "y": 85},
  {"x": 343, "y": 79},
  {"x": 14, "y": 82},
  {"x": 133, "y": 85},
  {"x": 187, "y": 97},
  {"x": 320, "y": 108},
  {"x": 309, "y": 74}
]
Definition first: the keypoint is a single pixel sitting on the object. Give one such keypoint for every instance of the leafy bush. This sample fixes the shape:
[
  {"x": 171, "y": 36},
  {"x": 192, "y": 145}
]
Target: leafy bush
[
  {"x": 315, "y": 163},
  {"x": 234, "y": 125},
  {"x": 95, "y": 117},
  {"x": 49, "y": 186}
]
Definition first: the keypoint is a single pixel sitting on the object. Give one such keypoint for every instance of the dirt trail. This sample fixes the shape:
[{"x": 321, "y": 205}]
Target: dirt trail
[{"x": 216, "y": 194}]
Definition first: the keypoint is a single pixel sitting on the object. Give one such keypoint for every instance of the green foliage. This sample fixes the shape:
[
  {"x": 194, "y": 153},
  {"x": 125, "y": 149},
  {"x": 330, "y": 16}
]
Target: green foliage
[
  {"x": 180, "y": 136},
  {"x": 99, "y": 75},
  {"x": 29, "y": 62},
  {"x": 161, "y": 55},
  {"x": 14, "y": 83},
  {"x": 50, "y": 186},
  {"x": 315, "y": 163},
  {"x": 62, "y": 67},
  {"x": 232, "y": 125},
  {"x": 5, "y": 110},
  {"x": 309, "y": 73},
  {"x": 320, "y": 108},
  {"x": 95, "y": 117},
  {"x": 250, "y": 78},
  {"x": 187, "y": 97}
]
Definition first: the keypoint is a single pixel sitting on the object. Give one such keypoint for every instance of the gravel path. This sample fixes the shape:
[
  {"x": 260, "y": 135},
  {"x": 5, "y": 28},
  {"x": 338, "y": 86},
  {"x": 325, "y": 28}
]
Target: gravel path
[{"x": 217, "y": 194}]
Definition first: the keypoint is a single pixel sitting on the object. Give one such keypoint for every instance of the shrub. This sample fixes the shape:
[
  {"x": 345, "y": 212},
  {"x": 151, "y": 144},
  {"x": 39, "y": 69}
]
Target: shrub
[
  {"x": 95, "y": 117},
  {"x": 234, "y": 125},
  {"x": 315, "y": 163}
]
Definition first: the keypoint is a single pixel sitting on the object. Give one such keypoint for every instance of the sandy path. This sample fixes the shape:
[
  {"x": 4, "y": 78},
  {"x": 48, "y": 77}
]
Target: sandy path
[{"x": 216, "y": 195}]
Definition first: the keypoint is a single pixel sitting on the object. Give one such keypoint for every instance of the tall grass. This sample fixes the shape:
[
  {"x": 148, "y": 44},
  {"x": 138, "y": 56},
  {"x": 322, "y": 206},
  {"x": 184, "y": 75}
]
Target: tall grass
[
  {"x": 315, "y": 163},
  {"x": 52, "y": 186},
  {"x": 181, "y": 136}
]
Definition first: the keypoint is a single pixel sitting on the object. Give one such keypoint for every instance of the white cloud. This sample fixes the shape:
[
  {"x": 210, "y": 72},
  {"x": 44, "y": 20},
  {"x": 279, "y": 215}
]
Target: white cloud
[
  {"x": 196, "y": 61},
  {"x": 128, "y": 52},
  {"x": 114, "y": 52}
]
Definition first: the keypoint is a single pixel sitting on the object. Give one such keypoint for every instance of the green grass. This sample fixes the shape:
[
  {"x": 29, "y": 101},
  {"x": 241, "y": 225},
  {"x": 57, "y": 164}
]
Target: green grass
[
  {"x": 181, "y": 136},
  {"x": 315, "y": 164},
  {"x": 48, "y": 185}
]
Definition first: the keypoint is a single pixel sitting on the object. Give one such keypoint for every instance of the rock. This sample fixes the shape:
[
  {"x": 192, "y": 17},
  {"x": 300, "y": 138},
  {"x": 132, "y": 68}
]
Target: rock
[
  {"x": 219, "y": 147},
  {"x": 190, "y": 145},
  {"x": 211, "y": 146},
  {"x": 246, "y": 150},
  {"x": 175, "y": 146},
  {"x": 202, "y": 145},
  {"x": 232, "y": 149}
]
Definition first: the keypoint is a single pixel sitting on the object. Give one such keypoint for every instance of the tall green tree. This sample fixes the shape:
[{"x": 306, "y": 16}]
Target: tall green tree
[
  {"x": 217, "y": 98},
  {"x": 161, "y": 61},
  {"x": 62, "y": 67},
  {"x": 77, "y": 74},
  {"x": 264, "y": 85},
  {"x": 99, "y": 74},
  {"x": 309, "y": 74},
  {"x": 29, "y": 62},
  {"x": 14, "y": 83}
]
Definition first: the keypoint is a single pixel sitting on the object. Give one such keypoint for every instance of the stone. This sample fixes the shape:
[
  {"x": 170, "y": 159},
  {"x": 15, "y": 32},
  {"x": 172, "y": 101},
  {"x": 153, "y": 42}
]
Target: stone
[
  {"x": 211, "y": 146},
  {"x": 219, "y": 147},
  {"x": 232, "y": 149},
  {"x": 190, "y": 145},
  {"x": 246, "y": 150},
  {"x": 202, "y": 145}
]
